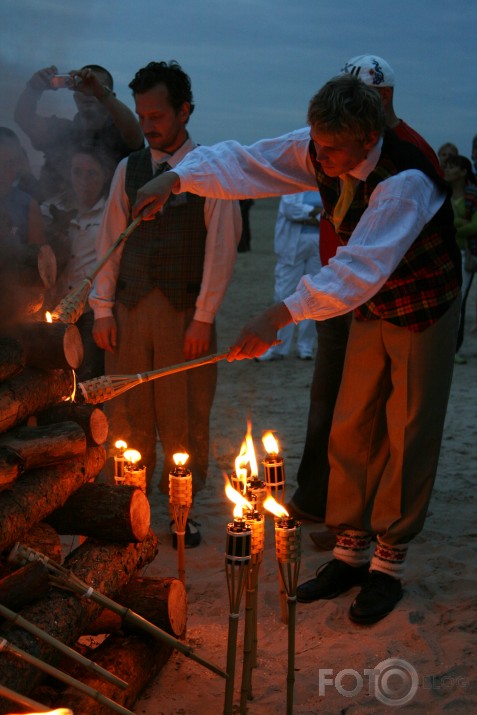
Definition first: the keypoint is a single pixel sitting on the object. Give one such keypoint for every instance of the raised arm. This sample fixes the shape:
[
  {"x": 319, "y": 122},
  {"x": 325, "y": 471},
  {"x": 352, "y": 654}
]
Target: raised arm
[{"x": 26, "y": 116}]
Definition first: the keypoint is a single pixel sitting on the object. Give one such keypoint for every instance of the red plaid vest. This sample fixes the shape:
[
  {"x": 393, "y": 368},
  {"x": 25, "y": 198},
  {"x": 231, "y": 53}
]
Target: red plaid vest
[{"x": 427, "y": 280}]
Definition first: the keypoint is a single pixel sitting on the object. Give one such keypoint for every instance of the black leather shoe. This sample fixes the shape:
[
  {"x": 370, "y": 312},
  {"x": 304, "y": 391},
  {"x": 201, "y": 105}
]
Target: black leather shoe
[
  {"x": 192, "y": 537},
  {"x": 298, "y": 513},
  {"x": 378, "y": 596},
  {"x": 331, "y": 579}
]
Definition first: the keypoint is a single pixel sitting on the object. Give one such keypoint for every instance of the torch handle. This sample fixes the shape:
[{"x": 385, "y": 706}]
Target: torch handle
[
  {"x": 125, "y": 234},
  {"x": 172, "y": 369}
]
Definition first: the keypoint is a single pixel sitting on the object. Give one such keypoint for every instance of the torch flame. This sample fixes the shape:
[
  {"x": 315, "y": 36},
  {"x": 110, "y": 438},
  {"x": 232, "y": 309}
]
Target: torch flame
[
  {"x": 237, "y": 498},
  {"x": 120, "y": 444},
  {"x": 180, "y": 458},
  {"x": 270, "y": 443},
  {"x": 132, "y": 455},
  {"x": 274, "y": 507},
  {"x": 48, "y": 317}
]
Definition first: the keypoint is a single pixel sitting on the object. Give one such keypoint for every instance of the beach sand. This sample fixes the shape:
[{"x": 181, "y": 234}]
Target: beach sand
[{"x": 433, "y": 630}]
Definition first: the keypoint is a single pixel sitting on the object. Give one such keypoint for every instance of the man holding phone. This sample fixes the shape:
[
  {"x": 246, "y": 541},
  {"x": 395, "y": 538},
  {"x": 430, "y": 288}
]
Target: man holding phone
[{"x": 102, "y": 121}]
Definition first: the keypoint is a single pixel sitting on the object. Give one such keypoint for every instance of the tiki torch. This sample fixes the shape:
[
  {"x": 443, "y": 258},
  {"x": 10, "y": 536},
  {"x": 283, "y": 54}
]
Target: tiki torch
[
  {"x": 274, "y": 468},
  {"x": 237, "y": 564},
  {"x": 106, "y": 387},
  {"x": 256, "y": 522},
  {"x": 180, "y": 501},
  {"x": 288, "y": 552},
  {"x": 134, "y": 473},
  {"x": 119, "y": 459},
  {"x": 70, "y": 309}
]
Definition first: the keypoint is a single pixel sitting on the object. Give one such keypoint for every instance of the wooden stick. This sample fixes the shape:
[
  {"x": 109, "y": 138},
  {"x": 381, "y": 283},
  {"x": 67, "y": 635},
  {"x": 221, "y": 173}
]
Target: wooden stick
[
  {"x": 71, "y": 307},
  {"x": 22, "y": 700},
  {"x": 51, "y": 640},
  {"x": 64, "y": 677},
  {"x": 101, "y": 389}
]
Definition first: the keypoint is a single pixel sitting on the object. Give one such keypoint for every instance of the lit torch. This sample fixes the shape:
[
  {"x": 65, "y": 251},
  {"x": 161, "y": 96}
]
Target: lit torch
[
  {"x": 134, "y": 475},
  {"x": 119, "y": 459},
  {"x": 288, "y": 551},
  {"x": 237, "y": 564},
  {"x": 274, "y": 468},
  {"x": 180, "y": 501},
  {"x": 256, "y": 523}
]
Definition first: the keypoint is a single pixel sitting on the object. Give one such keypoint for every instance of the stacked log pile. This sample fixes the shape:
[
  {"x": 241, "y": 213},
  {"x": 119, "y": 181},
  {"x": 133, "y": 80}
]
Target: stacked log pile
[{"x": 51, "y": 453}]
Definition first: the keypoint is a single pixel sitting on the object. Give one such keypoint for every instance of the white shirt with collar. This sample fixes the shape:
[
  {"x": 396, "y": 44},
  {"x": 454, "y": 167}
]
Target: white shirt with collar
[
  {"x": 223, "y": 223},
  {"x": 397, "y": 212}
]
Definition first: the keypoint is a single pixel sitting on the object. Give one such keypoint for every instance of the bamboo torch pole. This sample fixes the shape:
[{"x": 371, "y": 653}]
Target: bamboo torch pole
[
  {"x": 23, "y": 700},
  {"x": 288, "y": 551},
  {"x": 237, "y": 563},
  {"x": 105, "y": 387},
  {"x": 62, "y": 578},
  {"x": 51, "y": 640},
  {"x": 64, "y": 677},
  {"x": 256, "y": 523},
  {"x": 71, "y": 307}
]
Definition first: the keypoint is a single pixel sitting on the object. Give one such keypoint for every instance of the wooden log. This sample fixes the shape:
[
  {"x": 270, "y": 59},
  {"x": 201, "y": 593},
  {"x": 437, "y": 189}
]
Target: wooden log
[
  {"x": 31, "y": 499},
  {"x": 24, "y": 585},
  {"x": 50, "y": 346},
  {"x": 12, "y": 357},
  {"x": 43, "y": 538},
  {"x": 33, "y": 265},
  {"x": 109, "y": 513},
  {"x": 29, "y": 447},
  {"x": 31, "y": 391},
  {"x": 136, "y": 659},
  {"x": 91, "y": 419},
  {"x": 64, "y": 615},
  {"x": 162, "y": 601}
]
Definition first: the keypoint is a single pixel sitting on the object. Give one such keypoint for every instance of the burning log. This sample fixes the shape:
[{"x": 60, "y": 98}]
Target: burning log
[
  {"x": 50, "y": 346},
  {"x": 33, "y": 390},
  {"x": 32, "y": 499},
  {"x": 12, "y": 358},
  {"x": 91, "y": 419},
  {"x": 138, "y": 659},
  {"x": 163, "y": 601},
  {"x": 108, "y": 566},
  {"x": 120, "y": 514},
  {"x": 24, "y": 585},
  {"x": 30, "y": 447}
]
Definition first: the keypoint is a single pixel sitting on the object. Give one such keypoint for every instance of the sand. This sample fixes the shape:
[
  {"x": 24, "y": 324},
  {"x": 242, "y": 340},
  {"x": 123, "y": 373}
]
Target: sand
[{"x": 431, "y": 632}]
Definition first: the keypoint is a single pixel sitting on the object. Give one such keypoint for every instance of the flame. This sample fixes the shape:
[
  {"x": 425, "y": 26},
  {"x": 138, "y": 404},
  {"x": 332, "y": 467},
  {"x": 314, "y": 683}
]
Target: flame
[
  {"x": 180, "y": 458},
  {"x": 270, "y": 443},
  {"x": 251, "y": 451},
  {"x": 120, "y": 444},
  {"x": 237, "y": 498},
  {"x": 48, "y": 317},
  {"x": 274, "y": 507},
  {"x": 238, "y": 511},
  {"x": 132, "y": 455}
]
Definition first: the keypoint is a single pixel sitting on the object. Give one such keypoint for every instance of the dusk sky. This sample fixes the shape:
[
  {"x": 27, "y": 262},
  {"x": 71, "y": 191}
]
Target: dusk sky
[{"x": 254, "y": 64}]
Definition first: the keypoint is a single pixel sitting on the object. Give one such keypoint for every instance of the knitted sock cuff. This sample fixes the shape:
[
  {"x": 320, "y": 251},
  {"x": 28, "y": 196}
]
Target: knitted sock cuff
[
  {"x": 389, "y": 559},
  {"x": 352, "y": 547}
]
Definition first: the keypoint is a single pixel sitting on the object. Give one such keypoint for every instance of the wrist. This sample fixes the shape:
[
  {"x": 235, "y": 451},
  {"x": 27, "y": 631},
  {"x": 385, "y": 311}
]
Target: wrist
[{"x": 106, "y": 92}]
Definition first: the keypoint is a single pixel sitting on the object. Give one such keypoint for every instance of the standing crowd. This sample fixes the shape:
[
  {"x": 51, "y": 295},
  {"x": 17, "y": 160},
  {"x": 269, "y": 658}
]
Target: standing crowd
[{"x": 373, "y": 235}]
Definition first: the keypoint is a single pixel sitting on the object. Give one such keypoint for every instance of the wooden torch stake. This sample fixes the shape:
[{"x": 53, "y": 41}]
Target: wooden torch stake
[
  {"x": 22, "y": 700},
  {"x": 180, "y": 501},
  {"x": 237, "y": 564},
  {"x": 288, "y": 550}
]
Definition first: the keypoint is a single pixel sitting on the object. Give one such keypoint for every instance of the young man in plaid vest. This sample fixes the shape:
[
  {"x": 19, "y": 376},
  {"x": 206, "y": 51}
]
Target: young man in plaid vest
[
  {"x": 155, "y": 300},
  {"x": 399, "y": 270}
]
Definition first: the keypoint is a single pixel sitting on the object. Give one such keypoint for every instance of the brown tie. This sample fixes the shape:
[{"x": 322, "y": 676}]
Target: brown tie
[{"x": 348, "y": 189}]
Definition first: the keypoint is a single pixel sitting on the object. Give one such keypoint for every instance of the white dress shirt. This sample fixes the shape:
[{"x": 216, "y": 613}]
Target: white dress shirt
[
  {"x": 397, "y": 212},
  {"x": 224, "y": 226}
]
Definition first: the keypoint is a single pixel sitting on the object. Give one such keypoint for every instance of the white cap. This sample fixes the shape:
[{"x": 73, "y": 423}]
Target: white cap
[{"x": 371, "y": 69}]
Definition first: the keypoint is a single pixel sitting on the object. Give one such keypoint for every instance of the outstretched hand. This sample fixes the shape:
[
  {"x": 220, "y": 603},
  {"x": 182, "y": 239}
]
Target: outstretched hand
[
  {"x": 152, "y": 196},
  {"x": 260, "y": 333}
]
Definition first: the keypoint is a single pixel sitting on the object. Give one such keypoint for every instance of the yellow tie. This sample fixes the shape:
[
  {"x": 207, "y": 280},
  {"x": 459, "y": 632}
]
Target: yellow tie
[{"x": 348, "y": 189}]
